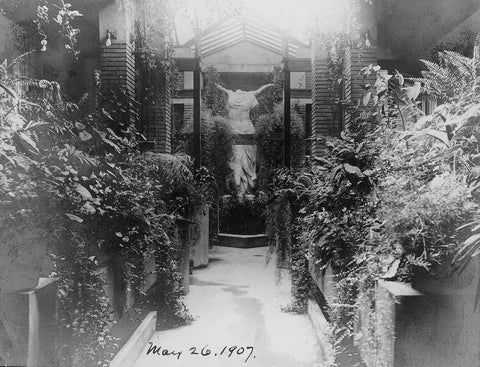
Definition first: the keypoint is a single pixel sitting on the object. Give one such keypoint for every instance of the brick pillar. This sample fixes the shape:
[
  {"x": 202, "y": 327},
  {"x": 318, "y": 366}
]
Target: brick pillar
[
  {"x": 117, "y": 63},
  {"x": 117, "y": 74},
  {"x": 347, "y": 86},
  {"x": 323, "y": 121},
  {"x": 325, "y": 118},
  {"x": 188, "y": 113},
  {"x": 360, "y": 58},
  {"x": 159, "y": 129}
]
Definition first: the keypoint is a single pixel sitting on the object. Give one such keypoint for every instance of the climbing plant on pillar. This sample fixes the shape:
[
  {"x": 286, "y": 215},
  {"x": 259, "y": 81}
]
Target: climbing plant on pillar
[
  {"x": 213, "y": 98},
  {"x": 157, "y": 72},
  {"x": 82, "y": 184},
  {"x": 268, "y": 129},
  {"x": 64, "y": 16},
  {"x": 155, "y": 29},
  {"x": 217, "y": 138}
]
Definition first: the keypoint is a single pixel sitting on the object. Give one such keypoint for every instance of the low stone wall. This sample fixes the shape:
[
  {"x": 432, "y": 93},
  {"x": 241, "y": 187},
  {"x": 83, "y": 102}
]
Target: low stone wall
[
  {"x": 28, "y": 318},
  {"x": 128, "y": 354},
  {"x": 325, "y": 280},
  {"x": 321, "y": 329},
  {"x": 433, "y": 322}
]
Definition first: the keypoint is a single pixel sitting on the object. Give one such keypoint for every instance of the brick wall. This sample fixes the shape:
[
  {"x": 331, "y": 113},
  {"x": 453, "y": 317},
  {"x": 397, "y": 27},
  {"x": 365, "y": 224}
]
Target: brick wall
[{"x": 159, "y": 126}]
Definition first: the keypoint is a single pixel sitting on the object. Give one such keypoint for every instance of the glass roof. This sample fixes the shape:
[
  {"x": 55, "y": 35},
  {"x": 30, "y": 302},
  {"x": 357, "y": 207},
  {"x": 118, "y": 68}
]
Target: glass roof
[
  {"x": 238, "y": 29},
  {"x": 295, "y": 18}
]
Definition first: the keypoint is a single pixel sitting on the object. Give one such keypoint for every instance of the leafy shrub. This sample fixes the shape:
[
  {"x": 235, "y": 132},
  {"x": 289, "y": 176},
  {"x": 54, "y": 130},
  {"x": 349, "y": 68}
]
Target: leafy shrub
[
  {"x": 216, "y": 149},
  {"x": 242, "y": 218},
  {"x": 216, "y": 152},
  {"x": 335, "y": 219},
  {"x": 214, "y": 99},
  {"x": 395, "y": 193},
  {"x": 268, "y": 130},
  {"x": 100, "y": 199},
  {"x": 423, "y": 218},
  {"x": 453, "y": 76}
]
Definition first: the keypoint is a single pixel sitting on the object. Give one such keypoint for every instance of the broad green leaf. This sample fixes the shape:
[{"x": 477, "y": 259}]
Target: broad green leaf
[
  {"x": 353, "y": 169},
  {"x": 467, "y": 225},
  {"x": 366, "y": 98},
  {"x": 323, "y": 160},
  {"x": 80, "y": 126},
  {"x": 84, "y": 135},
  {"x": 22, "y": 162},
  {"x": 26, "y": 140},
  {"x": 9, "y": 91},
  {"x": 401, "y": 79},
  {"x": 392, "y": 269},
  {"x": 33, "y": 124},
  {"x": 83, "y": 191},
  {"x": 106, "y": 114},
  {"x": 74, "y": 217},
  {"x": 437, "y": 134},
  {"x": 470, "y": 240}
]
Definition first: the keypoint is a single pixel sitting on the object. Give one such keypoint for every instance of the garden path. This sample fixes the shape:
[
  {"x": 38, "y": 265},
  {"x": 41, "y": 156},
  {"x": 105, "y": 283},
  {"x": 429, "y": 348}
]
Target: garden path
[{"x": 237, "y": 301}]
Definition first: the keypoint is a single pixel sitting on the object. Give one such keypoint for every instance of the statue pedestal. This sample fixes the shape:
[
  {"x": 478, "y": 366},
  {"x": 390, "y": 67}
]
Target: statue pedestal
[{"x": 242, "y": 241}]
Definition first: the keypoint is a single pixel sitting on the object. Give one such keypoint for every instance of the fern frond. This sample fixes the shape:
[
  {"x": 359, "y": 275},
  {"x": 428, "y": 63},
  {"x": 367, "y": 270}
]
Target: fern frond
[
  {"x": 454, "y": 75},
  {"x": 463, "y": 64},
  {"x": 175, "y": 169}
]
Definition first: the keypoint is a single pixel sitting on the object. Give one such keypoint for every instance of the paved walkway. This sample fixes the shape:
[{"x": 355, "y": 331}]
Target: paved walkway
[{"x": 236, "y": 301}]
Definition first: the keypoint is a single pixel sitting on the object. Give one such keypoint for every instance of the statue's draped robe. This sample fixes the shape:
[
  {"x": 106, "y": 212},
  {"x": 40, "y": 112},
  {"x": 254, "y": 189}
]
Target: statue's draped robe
[{"x": 243, "y": 163}]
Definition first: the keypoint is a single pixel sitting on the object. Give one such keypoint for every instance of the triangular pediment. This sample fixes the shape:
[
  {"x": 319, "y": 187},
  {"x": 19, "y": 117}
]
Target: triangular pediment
[
  {"x": 243, "y": 53},
  {"x": 238, "y": 29}
]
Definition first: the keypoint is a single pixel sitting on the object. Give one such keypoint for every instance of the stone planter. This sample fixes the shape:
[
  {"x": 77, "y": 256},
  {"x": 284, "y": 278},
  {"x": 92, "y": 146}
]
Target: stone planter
[
  {"x": 442, "y": 279},
  {"x": 325, "y": 279},
  {"x": 242, "y": 241},
  {"x": 413, "y": 328}
]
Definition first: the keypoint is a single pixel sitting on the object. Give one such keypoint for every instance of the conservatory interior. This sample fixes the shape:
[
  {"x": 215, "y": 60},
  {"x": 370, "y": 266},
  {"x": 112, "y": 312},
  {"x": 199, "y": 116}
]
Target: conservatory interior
[{"x": 219, "y": 182}]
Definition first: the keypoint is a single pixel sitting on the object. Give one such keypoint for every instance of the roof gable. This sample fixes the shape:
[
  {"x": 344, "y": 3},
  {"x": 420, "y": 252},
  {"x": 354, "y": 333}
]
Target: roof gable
[
  {"x": 242, "y": 53},
  {"x": 237, "y": 29}
]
